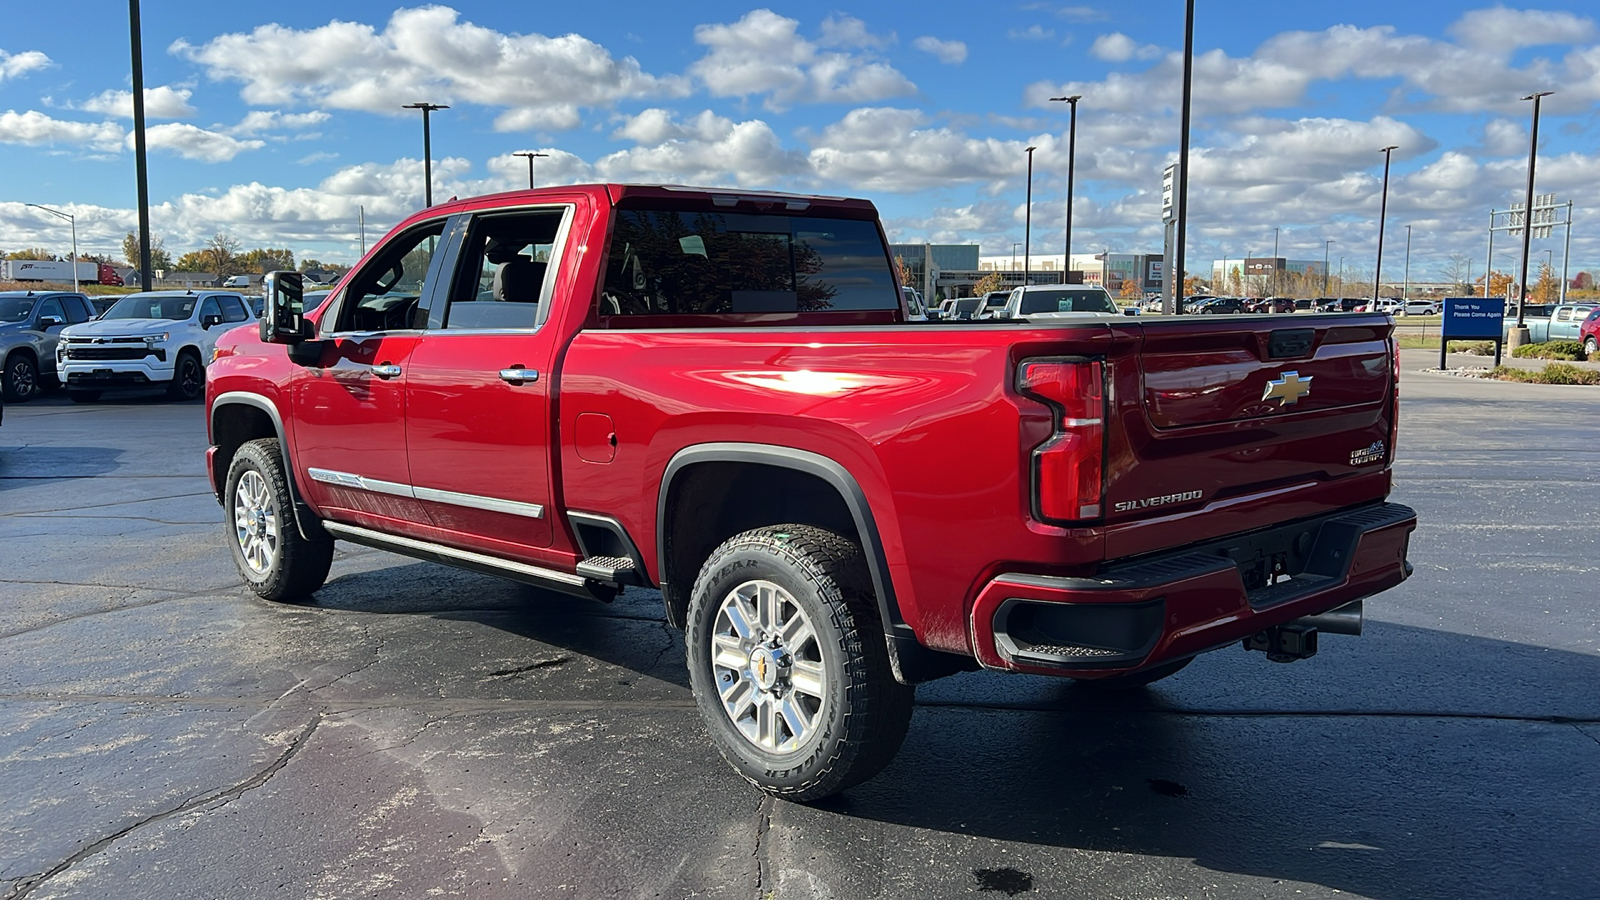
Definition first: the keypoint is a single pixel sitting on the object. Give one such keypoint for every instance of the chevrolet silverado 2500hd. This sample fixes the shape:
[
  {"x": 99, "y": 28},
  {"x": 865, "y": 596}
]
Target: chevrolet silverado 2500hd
[{"x": 718, "y": 394}]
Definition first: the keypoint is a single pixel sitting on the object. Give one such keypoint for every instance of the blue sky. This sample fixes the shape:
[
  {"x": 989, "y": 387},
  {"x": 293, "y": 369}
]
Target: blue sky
[{"x": 277, "y": 124}]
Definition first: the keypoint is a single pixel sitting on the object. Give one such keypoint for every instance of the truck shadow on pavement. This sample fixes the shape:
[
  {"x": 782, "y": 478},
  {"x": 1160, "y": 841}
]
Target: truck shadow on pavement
[
  {"x": 1412, "y": 763},
  {"x": 29, "y": 465}
]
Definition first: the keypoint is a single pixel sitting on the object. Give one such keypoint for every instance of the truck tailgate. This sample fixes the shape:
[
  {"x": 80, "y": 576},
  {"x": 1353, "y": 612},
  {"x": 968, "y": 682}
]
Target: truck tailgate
[{"x": 1251, "y": 420}]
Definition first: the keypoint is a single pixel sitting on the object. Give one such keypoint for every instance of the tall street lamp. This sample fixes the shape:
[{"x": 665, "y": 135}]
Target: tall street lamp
[
  {"x": 531, "y": 157},
  {"x": 74, "y": 223},
  {"x": 140, "y": 172},
  {"x": 1183, "y": 152},
  {"x": 1275, "y": 288},
  {"x": 1405, "y": 291},
  {"x": 1383, "y": 211},
  {"x": 1027, "y": 227},
  {"x": 1527, "y": 214},
  {"x": 1072, "y": 158},
  {"x": 427, "y": 149},
  {"x": 1325, "y": 245}
]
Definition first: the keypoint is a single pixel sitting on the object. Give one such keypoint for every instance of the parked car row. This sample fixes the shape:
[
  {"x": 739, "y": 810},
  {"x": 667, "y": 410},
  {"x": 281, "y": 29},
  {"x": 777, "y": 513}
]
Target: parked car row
[{"x": 159, "y": 339}]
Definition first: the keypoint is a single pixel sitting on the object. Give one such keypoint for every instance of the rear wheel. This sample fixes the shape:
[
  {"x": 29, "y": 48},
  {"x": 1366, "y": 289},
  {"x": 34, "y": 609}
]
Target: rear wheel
[
  {"x": 1590, "y": 346},
  {"x": 188, "y": 377},
  {"x": 20, "y": 380},
  {"x": 274, "y": 559},
  {"x": 788, "y": 662}
]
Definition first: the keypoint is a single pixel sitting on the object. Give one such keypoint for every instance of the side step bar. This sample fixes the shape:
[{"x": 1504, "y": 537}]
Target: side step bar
[{"x": 551, "y": 579}]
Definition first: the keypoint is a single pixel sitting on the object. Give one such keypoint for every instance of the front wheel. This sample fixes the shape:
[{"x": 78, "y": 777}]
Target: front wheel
[
  {"x": 788, "y": 662},
  {"x": 20, "y": 380},
  {"x": 188, "y": 377},
  {"x": 1590, "y": 346},
  {"x": 275, "y": 560}
]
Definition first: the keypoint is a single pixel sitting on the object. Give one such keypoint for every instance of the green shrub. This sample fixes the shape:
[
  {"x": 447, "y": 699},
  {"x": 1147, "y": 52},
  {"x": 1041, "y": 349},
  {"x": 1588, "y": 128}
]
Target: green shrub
[
  {"x": 1569, "y": 350},
  {"x": 1555, "y": 373}
]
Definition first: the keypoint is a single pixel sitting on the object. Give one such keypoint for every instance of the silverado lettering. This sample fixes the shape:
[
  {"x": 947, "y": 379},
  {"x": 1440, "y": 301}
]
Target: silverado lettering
[
  {"x": 1148, "y": 502},
  {"x": 722, "y": 396}
]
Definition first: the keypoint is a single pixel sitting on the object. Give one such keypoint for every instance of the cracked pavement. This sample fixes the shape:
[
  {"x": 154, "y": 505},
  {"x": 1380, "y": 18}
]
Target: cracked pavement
[{"x": 423, "y": 731}]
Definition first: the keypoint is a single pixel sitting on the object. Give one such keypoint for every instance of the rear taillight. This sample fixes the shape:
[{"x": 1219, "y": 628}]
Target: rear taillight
[
  {"x": 1394, "y": 412},
  {"x": 1068, "y": 469}
]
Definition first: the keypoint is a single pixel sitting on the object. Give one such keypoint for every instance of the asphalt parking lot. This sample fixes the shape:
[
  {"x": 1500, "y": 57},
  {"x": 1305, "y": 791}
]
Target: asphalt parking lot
[{"x": 420, "y": 731}]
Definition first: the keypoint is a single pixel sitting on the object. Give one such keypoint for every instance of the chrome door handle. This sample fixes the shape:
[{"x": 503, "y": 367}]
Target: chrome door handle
[
  {"x": 518, "y": 375},
  {"x": 386, "y": 370}
]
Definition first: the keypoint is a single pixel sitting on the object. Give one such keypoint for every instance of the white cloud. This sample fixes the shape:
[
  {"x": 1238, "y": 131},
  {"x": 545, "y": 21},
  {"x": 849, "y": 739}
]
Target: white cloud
[
  {"x": 193, "y": 142},
  {"x": 556, "y": 167},
  {"x": 1032, "y": 33},
  {"x": 1081, "y": 14},
  {"x": 763, "y": 53},
  {"x": 948, "y": 52},
  {"x": 426, "y": 53},
  {"x": 848, "y": 31},
  {"x": 878, "y": 149},
  {"x": 1118, "y": 47},
  {"x": 35, "y": 128},
  {"x": 257, "y": 121},
  {"x": 165, "y": 102},
  {"x": 1503, "y": 137},
  {"x": 1501, "y": 29},
  {"x": 707, "y": 149},
  {"x": 18, "y": 64}
]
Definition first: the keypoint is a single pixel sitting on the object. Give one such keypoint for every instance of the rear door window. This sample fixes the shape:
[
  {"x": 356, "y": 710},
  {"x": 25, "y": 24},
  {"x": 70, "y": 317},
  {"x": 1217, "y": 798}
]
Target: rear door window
[{"x": 669, "y": 262}]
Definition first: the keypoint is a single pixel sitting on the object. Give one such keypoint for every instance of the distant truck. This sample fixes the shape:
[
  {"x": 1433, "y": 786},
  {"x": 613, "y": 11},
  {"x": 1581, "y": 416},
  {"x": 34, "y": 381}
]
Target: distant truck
[
  {"x": 1561, "y": 322},
  {"x": 58, "y": 271}
]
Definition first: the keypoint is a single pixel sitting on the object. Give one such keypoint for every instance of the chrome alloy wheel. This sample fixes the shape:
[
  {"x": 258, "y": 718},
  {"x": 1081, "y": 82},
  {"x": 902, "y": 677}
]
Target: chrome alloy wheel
[
  {"x": 768, "y": 666},
  {"x": 255, "y": 522}
]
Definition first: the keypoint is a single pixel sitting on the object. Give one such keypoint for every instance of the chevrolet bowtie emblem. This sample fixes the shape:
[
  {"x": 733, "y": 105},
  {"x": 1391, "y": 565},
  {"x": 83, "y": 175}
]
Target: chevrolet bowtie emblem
[{"x": 1288, "y": 388}]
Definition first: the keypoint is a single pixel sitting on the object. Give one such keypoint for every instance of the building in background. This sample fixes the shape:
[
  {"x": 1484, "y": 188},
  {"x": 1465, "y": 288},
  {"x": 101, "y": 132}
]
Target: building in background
[
  {"x": 1108, "y": 270},
  {"x": 927, "y": 263},
  {"x": 1266, "y": 276}
]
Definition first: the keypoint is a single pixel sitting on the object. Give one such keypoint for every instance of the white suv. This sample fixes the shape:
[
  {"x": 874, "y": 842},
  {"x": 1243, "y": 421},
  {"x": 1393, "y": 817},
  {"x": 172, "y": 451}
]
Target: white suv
[
  {"x": 1060, "y": 301},
  {"x": 156, "y": 339}
]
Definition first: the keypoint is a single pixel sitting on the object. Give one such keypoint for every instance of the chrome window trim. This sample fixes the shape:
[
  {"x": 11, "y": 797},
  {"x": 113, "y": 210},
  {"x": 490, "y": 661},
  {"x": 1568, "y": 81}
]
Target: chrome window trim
[{"x": 453, "y": 498}]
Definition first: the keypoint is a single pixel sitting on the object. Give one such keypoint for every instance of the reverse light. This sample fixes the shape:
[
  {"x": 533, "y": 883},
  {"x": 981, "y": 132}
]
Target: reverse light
[{"x": 1069, "y": 467}]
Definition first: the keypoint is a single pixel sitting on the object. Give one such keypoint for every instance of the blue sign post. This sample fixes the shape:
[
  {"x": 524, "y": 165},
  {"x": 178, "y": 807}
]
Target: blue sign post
[{"x": 1473, "y": 319}]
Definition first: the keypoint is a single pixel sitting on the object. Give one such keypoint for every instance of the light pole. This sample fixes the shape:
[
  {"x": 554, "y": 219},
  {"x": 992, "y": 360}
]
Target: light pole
[
  {"x": 427, "y": 149},
  {"x": 1183, "y": 151},
  {"x": 1341, "y": 274},
  {"x": 1325, "y": 245},
  {"x": 1527, "y": 216},
  {"x": 1027, "y": 226},
  {"x": 139, "y": 168},
  {"x": 1072, "y": 159},
  {"x": 74, "y": 223},
  {"x": 1275, "y": 289},
  {"x": 1383, "y": 211},
  {"x": 1405, "y": 290},
  {"x": 531, "y": 157}
]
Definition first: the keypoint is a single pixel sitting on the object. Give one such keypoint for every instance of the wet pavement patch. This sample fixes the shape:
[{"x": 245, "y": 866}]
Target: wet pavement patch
[
  {"x": 1167, "y": 788},
  {"x": 1007, "y": 881}
]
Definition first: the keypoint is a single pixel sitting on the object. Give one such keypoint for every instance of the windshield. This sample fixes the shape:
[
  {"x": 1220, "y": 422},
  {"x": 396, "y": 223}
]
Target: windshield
[
  {"x": 15, "y": 309},
  {"x": 1066, "y": 300},
  {"x": 145, "y": 306}
]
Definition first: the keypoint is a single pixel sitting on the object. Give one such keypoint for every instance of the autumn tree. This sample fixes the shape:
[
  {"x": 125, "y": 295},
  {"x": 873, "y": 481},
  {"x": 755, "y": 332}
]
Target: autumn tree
[
  {"x": 31, "y": 253},
  {"x": 902, "y": 272},
  {"x": 159, "y": 257},
  {"x": 221, "y": 254},
  {"x": 1192, "y": 285},
  {"x": 1548, "y": 288},
  {"x": 993, "y": 281},
  {"x": 1130, "y": 289},
  {"x": 267, "y": 260},
  {"x": 1499, "y": 284}
]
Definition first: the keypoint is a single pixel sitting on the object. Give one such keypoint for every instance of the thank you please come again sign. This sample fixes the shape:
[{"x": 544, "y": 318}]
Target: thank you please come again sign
[{"x": 1473, "y": 319}]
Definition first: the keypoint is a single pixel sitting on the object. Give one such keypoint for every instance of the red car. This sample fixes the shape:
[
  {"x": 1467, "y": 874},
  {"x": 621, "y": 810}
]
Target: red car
[
  {"x": 718, "y": 394},
  {"x": 1589, "y": 333}
]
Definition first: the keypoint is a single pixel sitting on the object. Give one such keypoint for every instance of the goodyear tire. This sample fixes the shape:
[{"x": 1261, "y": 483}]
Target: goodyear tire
[
  {"x": 271, "y": 555},
  {"x": 788, "y": 662}
]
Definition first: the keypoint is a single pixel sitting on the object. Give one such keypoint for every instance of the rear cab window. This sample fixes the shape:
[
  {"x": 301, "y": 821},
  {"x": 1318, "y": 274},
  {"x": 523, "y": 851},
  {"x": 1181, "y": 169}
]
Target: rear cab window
[{"x": 669, "y": 265}]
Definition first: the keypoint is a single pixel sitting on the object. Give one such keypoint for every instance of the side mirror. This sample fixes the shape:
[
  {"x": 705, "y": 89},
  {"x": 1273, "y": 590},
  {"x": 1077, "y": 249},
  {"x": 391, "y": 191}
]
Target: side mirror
[
  {"x": 46, "y": 322},
  {"x": 207, "y": 321},
  {"x": 283, "y": 305}
]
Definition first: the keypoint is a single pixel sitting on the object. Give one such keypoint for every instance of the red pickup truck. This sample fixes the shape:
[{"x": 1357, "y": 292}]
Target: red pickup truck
[{"x": 719, "y": 394}]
